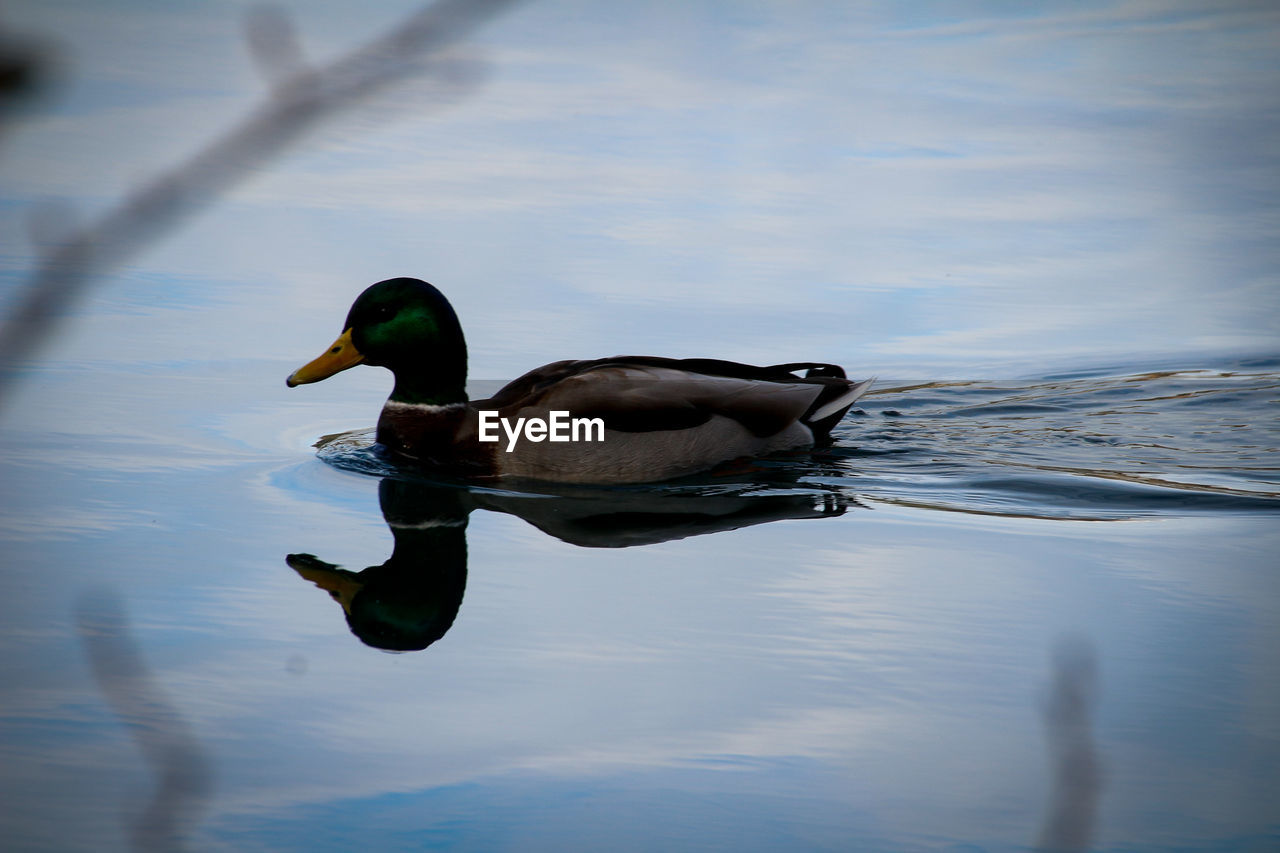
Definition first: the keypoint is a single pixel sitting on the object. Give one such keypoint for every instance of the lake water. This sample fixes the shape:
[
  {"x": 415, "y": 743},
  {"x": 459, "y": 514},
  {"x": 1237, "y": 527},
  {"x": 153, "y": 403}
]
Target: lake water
[{"x": 1029, "y": 599}]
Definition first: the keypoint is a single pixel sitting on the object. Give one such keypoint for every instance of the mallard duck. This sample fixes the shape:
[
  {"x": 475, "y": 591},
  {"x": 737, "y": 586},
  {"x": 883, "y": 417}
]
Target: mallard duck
[{"x": 654, "y": 418}]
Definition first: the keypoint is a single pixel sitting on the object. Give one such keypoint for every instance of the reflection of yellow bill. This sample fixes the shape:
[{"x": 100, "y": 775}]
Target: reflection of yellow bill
[
  {"x": 337, "y": 358},
  {"x": 341, "y": 584}
]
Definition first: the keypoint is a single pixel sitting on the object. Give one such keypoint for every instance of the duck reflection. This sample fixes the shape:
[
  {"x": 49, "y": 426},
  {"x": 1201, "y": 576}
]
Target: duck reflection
[{"x": 411, "y": 600}]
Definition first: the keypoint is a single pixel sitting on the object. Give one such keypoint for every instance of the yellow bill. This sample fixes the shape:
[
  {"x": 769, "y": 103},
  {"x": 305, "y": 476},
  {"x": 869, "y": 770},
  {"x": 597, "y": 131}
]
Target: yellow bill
[{"x": 341, "y": 355}]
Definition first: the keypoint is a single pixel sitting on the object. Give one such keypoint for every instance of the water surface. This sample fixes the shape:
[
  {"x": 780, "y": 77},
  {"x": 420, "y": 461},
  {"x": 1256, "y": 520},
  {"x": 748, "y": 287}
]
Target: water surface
[
  {"x": 899, "y": 642},
  {"x": 1028, "y": 599}
]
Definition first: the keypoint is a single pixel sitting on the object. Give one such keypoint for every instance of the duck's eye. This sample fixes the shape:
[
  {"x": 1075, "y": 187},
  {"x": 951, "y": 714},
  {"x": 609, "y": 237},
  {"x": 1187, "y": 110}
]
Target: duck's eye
[{"x": 384, "y": 312}]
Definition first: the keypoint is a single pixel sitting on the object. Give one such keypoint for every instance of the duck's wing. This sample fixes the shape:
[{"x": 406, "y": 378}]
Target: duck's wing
[{"x": 648, "y": 393}]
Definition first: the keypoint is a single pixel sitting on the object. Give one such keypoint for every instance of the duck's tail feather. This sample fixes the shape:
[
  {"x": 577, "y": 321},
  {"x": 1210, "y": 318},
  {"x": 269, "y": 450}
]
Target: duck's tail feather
[
  {"x": 812, "y": 369},
  {"x": 829, "y": 408}
]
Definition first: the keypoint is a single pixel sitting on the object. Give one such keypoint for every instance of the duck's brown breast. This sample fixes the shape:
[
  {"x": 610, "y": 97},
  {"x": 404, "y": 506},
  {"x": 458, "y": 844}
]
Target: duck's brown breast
[{"x": 438, "y": 435}]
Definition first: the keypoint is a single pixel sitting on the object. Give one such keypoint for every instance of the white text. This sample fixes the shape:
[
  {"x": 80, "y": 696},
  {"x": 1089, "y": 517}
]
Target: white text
[{"x": 559, "y": 427}]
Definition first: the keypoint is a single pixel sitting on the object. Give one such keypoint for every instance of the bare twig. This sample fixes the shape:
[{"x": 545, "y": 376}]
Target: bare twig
[
  {"x": 300, "y": 97},
  {"x": 1077, "y": 768},
  {"x": 180, "y": 764}
]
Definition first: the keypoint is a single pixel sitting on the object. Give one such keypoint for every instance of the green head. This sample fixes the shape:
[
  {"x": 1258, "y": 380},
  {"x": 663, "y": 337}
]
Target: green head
[{"x": 407, "y": 326}]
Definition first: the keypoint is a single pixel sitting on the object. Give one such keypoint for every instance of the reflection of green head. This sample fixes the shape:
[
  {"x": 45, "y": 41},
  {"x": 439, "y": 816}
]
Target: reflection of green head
[
  {"x": 405, "y": 622},
  {"x": 411, "y": 600}
]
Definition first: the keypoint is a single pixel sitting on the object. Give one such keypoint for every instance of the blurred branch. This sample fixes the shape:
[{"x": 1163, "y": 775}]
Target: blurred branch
[
  {"x": 299, "y": 98},
  {"x": 21, "y": 73},
  {"x": 1077, "y": 768},
  {"x": 179, "y": 764}
]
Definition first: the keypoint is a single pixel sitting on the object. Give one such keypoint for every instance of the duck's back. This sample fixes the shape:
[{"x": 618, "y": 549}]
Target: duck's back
[{"x": 661, "y": 418}]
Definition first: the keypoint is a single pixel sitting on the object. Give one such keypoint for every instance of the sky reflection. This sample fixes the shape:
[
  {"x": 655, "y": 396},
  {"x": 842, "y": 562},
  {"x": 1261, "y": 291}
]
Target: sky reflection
[{"x": 896, "y": 187}]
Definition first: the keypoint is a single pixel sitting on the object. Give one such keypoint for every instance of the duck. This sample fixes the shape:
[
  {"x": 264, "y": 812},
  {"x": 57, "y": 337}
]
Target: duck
[{"x": 645, "y": 418}]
